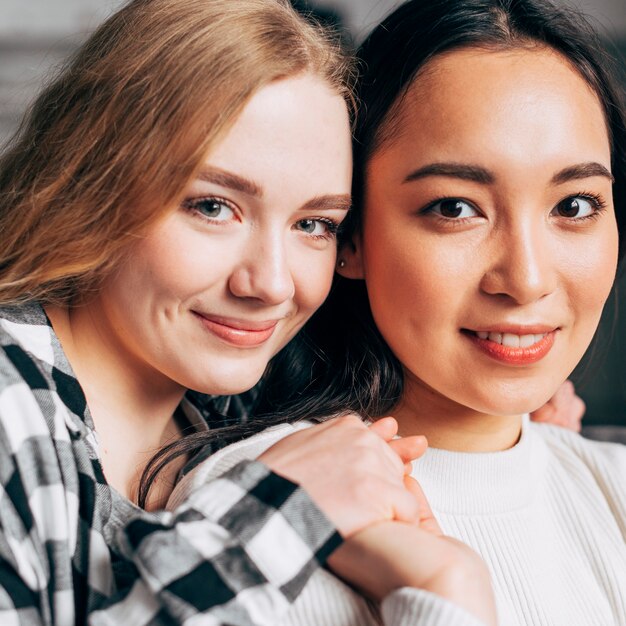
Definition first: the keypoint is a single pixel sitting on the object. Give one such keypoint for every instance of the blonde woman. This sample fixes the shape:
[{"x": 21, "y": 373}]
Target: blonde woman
[{"x": 168, "y": 214}]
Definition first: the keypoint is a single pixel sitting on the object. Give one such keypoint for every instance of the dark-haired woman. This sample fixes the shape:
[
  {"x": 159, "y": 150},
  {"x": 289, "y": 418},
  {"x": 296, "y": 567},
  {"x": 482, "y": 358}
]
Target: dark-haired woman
[{"x": 490, "y": 194}]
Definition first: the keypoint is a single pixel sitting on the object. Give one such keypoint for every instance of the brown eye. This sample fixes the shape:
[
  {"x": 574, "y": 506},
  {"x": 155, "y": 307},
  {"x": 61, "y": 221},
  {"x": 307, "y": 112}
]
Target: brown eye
[
  {"x": 453, "y": 208},
  {"x": 575, "y": 207}
]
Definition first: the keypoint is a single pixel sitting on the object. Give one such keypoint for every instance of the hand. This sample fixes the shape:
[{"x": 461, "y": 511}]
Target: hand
[
  {"x": 353, "y": 472},
  {"x": 390, "y": 555},
  {"x": 564, "y": 409}
]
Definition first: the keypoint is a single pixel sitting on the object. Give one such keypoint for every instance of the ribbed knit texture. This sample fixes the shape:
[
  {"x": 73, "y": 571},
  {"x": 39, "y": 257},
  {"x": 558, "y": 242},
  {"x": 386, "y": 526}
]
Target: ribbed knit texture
[
  {"x": 549, "y": 518},
  {"x": 416, "y": 607}
]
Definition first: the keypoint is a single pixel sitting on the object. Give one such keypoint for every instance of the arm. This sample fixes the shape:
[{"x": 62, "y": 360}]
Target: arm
[
  {"x": 239, "y": 554},
  {"x": 244, "y": 544},
  {"x": 420, "y": 575}
]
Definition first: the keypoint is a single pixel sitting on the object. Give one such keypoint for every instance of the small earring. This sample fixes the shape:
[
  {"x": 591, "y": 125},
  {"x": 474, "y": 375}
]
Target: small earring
[{"x": 341, "y": 264}]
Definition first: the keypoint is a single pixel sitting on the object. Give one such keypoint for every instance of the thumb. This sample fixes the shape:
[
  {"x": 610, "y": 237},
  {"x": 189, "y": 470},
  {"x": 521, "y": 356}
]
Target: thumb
[
  {"x": 385, "y": 427},
  {"x": 409, "y": 448},
  {"x": 427, "y": 519}
]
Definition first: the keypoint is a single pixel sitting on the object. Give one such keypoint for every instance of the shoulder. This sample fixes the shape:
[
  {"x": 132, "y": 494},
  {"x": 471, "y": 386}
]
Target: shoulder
[
  {"x": 592, "y": 467},
  {"x": 226, "y": 458},
  {"x": 26, "y": 342},
  {"x": 37, "y": 387},
  {"x": 567, "y": 444}
]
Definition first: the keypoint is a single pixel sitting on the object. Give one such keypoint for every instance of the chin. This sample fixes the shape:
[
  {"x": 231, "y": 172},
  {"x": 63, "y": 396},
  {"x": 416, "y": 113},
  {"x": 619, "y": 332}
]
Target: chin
[
  {"x": 513, "y": 406},
  {"x": 225, "y": 384}
]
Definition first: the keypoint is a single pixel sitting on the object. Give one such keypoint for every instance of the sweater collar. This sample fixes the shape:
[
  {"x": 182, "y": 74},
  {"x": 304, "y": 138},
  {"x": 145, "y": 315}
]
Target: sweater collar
[{"x": 482, "y": 483}]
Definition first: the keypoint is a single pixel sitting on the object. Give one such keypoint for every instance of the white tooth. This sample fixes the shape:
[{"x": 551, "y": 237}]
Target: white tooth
[
  {"x": 482, "y": 334},
  {"x": 526, "y": 340},
  {"x": 496, "y": 337},
  {"x": 512, "y": 341},
  {"x": 539, "y": 337}
]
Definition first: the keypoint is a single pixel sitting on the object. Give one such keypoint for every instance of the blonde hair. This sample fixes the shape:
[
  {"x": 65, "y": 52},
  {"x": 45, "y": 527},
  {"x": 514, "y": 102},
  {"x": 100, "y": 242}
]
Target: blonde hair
[{"x": 111, "y": 143}]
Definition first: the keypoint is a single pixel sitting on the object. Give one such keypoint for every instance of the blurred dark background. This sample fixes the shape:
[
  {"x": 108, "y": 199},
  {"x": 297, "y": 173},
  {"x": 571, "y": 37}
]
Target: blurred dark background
[{"x": 35, "y": 36}]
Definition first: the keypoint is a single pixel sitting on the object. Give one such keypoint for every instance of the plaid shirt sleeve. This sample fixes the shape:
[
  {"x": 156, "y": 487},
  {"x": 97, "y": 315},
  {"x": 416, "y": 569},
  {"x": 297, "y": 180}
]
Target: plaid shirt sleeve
[{"x": 238, "y": 556}]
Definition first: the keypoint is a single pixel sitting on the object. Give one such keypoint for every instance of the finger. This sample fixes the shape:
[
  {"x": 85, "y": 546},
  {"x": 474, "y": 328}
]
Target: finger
[
  {"x": 578, "y": 411},
  {"x": 579, "y": 407},
  {"x": 385, "y": 427},
  {"x": 563, "y": 395},
  {"x": 427, "y": 519},
  {"x": 406, "y": 507},
  {"x": 409, "y": 448},
  {"x": 546, "y": 413}
]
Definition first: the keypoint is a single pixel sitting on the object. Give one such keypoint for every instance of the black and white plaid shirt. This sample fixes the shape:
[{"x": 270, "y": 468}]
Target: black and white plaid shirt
[{"x": 74, "y": 551}]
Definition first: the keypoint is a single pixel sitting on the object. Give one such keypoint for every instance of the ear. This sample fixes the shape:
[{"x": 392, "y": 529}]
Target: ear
[{"x": 350, "y": 259}]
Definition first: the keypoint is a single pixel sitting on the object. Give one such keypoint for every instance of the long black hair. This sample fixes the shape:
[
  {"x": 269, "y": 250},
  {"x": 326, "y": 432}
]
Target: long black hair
[{"x": 340, "y": 363}]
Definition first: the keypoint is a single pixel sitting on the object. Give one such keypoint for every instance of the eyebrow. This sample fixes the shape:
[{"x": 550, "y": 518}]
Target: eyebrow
[
  {"x": 341, "y": 202},
  {"x": 477, "y": 174},
  {"x": 239, "y": 183},
  {"x": 582, "y": 170},
  {"x": 473, "y": 173},
  {"x": 229, "y": 180}
]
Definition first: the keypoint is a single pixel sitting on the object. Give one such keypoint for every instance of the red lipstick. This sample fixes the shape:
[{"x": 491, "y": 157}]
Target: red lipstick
[
  {"x": 512, "y": 355},
  {"x": 236, "y": 332}
]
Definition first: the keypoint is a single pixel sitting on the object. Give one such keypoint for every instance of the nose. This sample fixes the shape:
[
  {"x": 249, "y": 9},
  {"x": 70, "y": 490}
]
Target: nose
[
  {"x": 263, "y": 272},
  {"x": 522, "y": 265}
]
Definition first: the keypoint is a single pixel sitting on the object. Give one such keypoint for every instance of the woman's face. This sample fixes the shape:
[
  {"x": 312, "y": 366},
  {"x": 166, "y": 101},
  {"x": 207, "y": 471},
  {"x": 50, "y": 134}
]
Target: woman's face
[
  {"x": 489, "y": 241},
  {"x": 223, "y": 282}
]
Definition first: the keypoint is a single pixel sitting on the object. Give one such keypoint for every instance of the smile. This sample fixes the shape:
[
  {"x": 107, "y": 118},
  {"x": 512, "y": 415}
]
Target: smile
[
  {"x": 522, "y": 348},
  {"x": 511, "y": 340},
  {"x": 237, "y": 332}
]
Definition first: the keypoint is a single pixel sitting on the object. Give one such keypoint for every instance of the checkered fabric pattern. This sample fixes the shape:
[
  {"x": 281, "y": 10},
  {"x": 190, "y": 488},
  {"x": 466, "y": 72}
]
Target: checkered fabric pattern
[{"x": 73, "y": 551}]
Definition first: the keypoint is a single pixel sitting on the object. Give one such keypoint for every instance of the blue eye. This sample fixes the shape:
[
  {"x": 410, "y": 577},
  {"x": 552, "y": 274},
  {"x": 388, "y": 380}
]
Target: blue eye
[
  {"x": 212, "y": 210},
  {"x": 453, "y": 208},
  {"x": 216, "y": 210},
  {"x": 577, "y": 207},
  {"x": 317, "y": 227}
]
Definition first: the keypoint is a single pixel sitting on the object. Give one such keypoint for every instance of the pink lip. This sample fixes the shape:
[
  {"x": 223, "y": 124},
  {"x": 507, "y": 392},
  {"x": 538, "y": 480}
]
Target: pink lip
[
  {"x": 237, "y": 332},
  {"x": 516, "y": 356}
]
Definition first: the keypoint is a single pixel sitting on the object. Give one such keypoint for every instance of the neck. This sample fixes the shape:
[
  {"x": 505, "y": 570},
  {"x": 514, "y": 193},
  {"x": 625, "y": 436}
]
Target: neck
[
  {"x": 451, "y": 426},
  {"x": 131, "y": 404}
]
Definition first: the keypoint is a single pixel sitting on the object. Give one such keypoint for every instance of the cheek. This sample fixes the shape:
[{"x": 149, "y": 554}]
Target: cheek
[
  {"x": 312, "y": 275},
  {"x": 590, "y": 274},
  {"x": 411, "y": 275},
  {"x": 173, "y": 262}
]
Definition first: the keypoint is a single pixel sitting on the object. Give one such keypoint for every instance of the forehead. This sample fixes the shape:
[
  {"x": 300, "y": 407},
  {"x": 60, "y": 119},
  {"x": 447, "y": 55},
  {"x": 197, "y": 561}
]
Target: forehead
[
  {"x": 290, "y": 127},
  {"x": 523, "y": 103}
]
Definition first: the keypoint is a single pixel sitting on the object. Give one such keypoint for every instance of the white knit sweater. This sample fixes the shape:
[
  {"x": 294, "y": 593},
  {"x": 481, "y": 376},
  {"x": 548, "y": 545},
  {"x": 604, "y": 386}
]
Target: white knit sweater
[{"x": 548, "y": 516}]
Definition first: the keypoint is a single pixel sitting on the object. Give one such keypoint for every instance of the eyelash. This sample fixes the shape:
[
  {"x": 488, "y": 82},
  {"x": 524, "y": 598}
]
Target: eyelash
[
  {"x": 596, "y": 200},
  {"x": 447, "y": 221},
  {"x": 192, "y": 204},
  {"x": 332, "y": 227}
]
